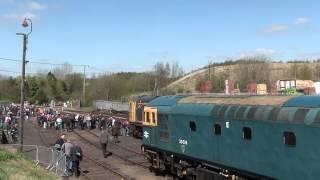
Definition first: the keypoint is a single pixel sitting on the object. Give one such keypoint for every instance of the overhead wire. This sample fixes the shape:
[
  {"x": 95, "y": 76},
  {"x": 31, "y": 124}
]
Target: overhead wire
[
  {"x": 54, "y": 64},
  {"x": 2, "y": 70},
  {"x": 38, "y": 62},
  {"x": 97, "y": 69},
  {"x": 8, "y": 59}
]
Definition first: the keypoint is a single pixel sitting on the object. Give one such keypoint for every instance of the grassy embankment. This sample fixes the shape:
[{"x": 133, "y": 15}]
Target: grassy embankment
[{"x": 15, "y": 166}]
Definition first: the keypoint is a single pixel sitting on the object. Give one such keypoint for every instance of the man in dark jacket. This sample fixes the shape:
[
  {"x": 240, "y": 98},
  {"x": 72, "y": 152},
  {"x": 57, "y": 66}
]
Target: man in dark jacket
[
  {"x": 67, "y": 120},
  {"x": 14, "y": 133},
  {"x": 60, "y": 142},
  {"x": 104, "y": 137},
  {"x": 76, "y": 156},
  {"x": 102, "y": 124},
  {"x": 116, "y": 131}
]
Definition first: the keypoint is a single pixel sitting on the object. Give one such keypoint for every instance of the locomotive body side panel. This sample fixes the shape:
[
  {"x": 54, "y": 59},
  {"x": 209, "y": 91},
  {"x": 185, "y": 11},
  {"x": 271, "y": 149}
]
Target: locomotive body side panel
[{"x": 266, "y": 141}]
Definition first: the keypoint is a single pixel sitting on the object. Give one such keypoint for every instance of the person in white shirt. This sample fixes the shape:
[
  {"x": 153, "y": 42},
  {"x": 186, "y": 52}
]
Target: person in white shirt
[
  {"x": 59, "y": 122},
  {"x": 76, "y": 120},
  {"x": 112, "y": 121},
  {"x": 88, "y": 121},
  {"x": 7, "y": 122}
]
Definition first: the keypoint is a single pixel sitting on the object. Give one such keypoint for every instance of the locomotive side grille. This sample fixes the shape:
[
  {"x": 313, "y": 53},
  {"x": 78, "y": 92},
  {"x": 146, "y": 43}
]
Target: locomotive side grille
[
  {"x": 274, "y": 114},
  {"x": 240, "y": 112},
  {"x": 300, "y": 115},
  {"x": 251, "y": 113},
  {"x": 317, "y": 118},
  {"x": 163, "y": 135},
  {"x": 164, "y": 127},
  {"x": 231, "y": 112},
  {"x": 284, "y": 115},
  {"x": 260, "y": 113},
  {"x": 215, "y": 111},
  {"x": 222, "y": 112}
]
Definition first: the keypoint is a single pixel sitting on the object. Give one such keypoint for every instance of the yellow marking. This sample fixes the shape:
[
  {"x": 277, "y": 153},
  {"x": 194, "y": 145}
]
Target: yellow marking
[{"x": 150, "y": 116}]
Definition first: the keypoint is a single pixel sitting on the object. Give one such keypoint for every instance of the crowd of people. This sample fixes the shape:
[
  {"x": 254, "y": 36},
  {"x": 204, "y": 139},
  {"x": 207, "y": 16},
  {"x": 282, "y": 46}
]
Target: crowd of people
[
  {"x": 68, "y": 122},
  {"x": 9, "y": 122},
  {"x": 49, "y": 118}
]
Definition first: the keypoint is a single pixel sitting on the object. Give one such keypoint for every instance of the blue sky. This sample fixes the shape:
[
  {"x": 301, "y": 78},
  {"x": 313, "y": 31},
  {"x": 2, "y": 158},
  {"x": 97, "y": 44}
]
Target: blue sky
[{"x": 132, "y": 35}]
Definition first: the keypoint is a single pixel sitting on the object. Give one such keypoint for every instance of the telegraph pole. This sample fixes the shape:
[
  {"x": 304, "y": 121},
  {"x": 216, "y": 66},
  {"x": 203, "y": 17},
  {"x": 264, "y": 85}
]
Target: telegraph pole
[
  {"x": 24, "y": 54},
  {"x": 84, "y": 86}
]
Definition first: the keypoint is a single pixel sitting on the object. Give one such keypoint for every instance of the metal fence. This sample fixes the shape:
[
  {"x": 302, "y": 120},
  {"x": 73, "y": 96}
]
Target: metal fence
[
  {"x": 114, "y": 105},
  {"x": 48, "y": 158},
  {"x": 58, "y": 163}
]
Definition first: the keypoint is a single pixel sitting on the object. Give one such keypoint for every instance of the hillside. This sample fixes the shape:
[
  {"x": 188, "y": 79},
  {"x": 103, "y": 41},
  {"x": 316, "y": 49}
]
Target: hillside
[{"x": 245, "y": 72}]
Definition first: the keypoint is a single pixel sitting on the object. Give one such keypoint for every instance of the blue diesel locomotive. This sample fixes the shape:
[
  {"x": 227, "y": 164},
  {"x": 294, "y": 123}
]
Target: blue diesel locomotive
[{"x": 234, "y": 137}]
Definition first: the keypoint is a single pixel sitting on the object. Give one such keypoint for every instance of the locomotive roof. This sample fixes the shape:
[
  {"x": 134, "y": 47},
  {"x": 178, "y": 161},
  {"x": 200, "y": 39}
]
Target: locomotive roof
[
  {"x": 165, "y": 101},
  {"x": 304, "y": 101},
  {"x": 239, "y": 100},
  {"x": 144, "y": 98}
]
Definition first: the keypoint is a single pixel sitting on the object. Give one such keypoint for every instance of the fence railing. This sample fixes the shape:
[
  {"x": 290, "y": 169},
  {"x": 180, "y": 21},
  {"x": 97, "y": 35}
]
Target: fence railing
[
  {"x": 48, "y": 158},
  {"x": 114, "y": 105}
]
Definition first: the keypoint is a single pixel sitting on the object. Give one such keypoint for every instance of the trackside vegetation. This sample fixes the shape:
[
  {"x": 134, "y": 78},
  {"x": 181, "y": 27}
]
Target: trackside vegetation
[{"x": 15, "y": 166}]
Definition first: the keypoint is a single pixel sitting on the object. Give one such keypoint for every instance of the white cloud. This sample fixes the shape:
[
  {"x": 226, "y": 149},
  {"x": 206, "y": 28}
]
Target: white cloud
[
  {"x": 257, "y": 53},
  {"x": 36, "y": 6},
  {"x": 19, "y": 16},
  {"x": 275, "y": 28},
  {"x": 301, "y": 21},
  {"x": 22, "y": 10}
]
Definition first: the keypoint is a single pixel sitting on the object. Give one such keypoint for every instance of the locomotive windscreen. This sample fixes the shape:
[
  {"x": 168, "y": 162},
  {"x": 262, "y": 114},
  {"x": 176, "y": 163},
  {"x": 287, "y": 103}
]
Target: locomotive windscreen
[{"x": 139, "y": 112}]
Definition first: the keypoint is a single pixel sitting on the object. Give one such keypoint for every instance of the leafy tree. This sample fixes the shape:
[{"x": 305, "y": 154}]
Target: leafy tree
[
  {"x": 32, "y": 88},
  {"x": 41, "y": 97}
]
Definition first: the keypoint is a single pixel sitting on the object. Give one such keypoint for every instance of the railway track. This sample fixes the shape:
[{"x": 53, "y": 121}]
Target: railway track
[
  {"x": 112, "y": 169},
  {"x": 130, "y": 156},
  {"x": 109, "y": 168},
  {"x": 44, "y": 142},
  {"x": 94, "y": 162},
  {"x": 122, "y": 147}
]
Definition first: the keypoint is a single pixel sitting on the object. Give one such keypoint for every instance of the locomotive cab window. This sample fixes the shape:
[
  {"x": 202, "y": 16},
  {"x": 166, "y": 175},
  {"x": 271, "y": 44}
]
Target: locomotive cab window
[
  {"x": 150, "y": 116},
  {"x": 289, "y": 139},
  {"x": 147, "y": 117},
  {"x": 217, "y": 129},
  {"x": 192, "y": 126},
  {"x": 153, "y": 117},
  {"x": 247, "y": 133}
]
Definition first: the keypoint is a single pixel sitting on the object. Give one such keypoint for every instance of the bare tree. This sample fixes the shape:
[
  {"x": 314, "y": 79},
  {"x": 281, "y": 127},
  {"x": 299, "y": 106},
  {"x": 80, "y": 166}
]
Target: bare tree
[
  {"x": 254, "y": 69},
  {"x": 61, "y": 72},
  {"x": 176, "y": 70}
]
